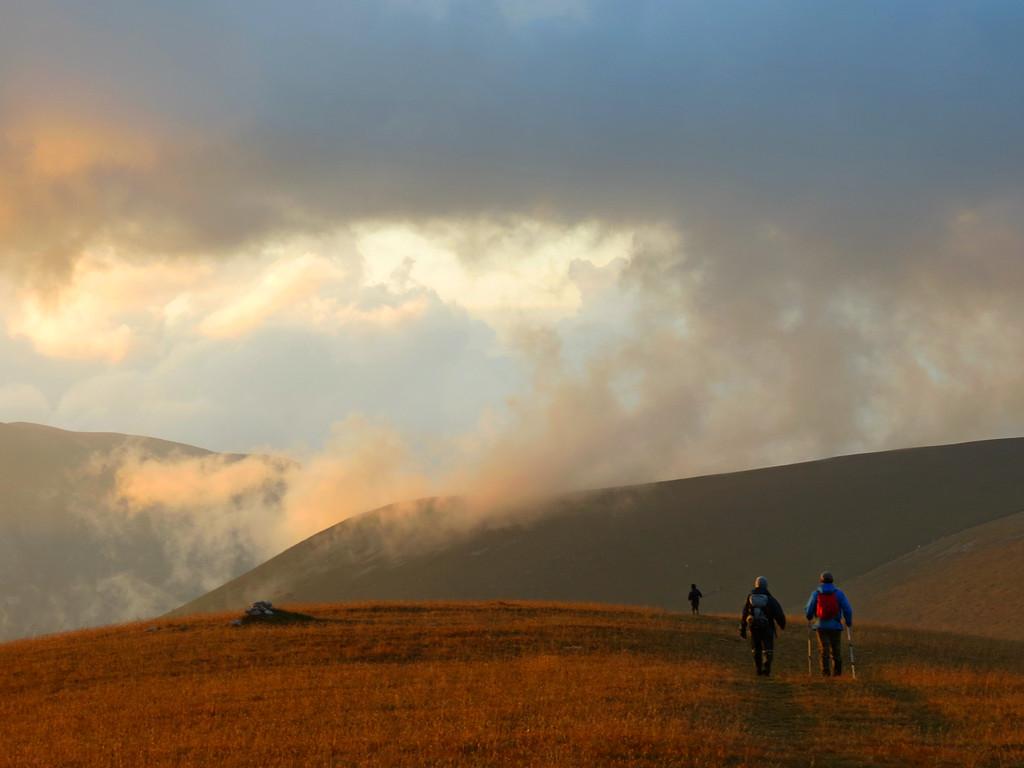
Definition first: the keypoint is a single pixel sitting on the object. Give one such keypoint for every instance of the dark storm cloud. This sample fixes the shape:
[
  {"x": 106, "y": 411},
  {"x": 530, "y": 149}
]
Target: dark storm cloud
[{"x": 855, "y": 129}]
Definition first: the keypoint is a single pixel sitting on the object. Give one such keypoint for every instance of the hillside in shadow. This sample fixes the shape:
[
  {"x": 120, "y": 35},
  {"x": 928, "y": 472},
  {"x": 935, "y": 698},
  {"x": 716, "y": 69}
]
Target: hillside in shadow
[{"x": 862, "y": 517}]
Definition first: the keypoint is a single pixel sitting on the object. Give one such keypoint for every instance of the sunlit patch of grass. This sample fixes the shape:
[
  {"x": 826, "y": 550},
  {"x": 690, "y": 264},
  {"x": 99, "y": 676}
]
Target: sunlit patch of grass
[{"x": 490, "y": 684}]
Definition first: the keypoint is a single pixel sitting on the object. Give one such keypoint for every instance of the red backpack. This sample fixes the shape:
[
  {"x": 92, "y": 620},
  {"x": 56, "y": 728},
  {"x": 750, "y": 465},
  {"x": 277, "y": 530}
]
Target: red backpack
[{"x": 827, "y": 607}]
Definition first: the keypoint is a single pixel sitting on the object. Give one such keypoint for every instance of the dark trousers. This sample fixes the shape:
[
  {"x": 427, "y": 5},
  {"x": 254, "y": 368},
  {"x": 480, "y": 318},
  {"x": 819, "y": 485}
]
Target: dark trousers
[
  {"x": 830, "y": 645},
  {"x": 762, "y": 646}
]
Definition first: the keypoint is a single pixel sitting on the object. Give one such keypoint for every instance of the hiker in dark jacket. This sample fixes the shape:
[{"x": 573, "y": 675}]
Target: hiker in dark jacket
[
  {"x": 694, "y": 598},
  {"x": 761, "y": 614},
  {"x": 832, "y": 602}
]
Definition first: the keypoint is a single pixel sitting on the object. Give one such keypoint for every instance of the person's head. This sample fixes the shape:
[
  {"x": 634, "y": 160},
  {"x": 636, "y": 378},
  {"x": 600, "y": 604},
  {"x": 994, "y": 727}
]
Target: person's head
[
  {"x": 826, "y": 577},
  {"x": 693, "y": 586},
  {"x": 761, "y": 582}
]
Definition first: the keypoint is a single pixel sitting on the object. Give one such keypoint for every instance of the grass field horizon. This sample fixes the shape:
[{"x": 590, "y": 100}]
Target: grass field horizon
[{"x": 500, "y": 683}]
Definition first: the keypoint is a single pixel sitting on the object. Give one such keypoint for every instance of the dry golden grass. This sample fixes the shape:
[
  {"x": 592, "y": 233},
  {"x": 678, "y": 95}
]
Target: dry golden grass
[{"x": 492, "y": 684}]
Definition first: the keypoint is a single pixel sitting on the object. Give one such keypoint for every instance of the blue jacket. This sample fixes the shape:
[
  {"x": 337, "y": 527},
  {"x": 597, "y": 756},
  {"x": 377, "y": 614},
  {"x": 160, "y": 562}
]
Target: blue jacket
[{"x": 844, "y": 609}]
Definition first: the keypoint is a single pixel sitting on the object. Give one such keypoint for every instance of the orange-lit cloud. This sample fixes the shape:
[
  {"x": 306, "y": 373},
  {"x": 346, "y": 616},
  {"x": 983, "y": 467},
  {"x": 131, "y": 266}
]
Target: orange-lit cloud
[
  {"x": 363, "y": 466},
  {"x": 76, "y": 330},
  {"x": 62, "y": 145},
  {"x": 183, "y": 483},
  {"x": 284, "y": 284},
  {"x": 88, "y": 317}
]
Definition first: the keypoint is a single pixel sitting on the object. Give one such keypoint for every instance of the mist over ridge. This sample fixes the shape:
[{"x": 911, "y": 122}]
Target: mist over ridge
[
  {"x": 89, "y": 538},
  {"x": 101, "y": 528},
  {"x": 862, "y": 516}
]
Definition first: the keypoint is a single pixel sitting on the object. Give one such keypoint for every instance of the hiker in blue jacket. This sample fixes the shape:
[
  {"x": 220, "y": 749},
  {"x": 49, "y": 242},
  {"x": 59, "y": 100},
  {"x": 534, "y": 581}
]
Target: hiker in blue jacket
[
  {"x": 761, "y": 612},
  {"x": 828, "y": 608}
]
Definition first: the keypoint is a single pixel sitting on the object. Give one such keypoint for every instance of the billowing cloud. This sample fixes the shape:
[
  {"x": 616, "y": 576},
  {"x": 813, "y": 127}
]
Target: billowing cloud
[
  {"x": 365, "y": 465},
  {"x": 185, "y": 482},
  {"x": 481, "y": 246},
  {"x": 212, "y": 512}
]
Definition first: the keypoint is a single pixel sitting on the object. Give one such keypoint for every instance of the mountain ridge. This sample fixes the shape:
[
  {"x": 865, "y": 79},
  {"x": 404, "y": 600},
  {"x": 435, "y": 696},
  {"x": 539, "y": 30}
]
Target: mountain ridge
[
  {"x": 930, "y": 536},
  {"x": 73, "y": 554},
  {"x": 645, "y": 544}
]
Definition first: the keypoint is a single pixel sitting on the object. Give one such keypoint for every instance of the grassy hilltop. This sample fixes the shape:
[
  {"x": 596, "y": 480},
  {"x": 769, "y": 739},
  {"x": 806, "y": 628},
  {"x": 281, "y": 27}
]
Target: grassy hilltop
[{"x": 489, "y": 684}]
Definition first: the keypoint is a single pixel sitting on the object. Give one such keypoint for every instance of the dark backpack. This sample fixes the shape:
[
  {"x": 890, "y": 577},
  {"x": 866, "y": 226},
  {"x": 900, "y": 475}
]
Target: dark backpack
[
  {"x": 757, "y": 617},
  {"x": 827, "y": 608}
]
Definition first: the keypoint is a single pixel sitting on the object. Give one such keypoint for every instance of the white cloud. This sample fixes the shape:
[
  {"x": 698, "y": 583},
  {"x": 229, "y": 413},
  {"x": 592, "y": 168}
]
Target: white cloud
[{"x": 503, "y": 272}]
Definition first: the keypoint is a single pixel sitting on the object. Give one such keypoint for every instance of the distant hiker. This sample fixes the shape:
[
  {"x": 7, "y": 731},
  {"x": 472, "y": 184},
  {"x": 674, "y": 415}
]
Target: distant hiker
[
  {"x": 694, "y": 598},
  {"x": 827, "y": 608},
  {"x": 761, "y": 613}
]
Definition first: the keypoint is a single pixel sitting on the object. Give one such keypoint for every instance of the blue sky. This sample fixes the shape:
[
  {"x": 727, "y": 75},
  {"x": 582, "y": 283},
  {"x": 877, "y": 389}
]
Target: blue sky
[{"x": 464, "y": 245}]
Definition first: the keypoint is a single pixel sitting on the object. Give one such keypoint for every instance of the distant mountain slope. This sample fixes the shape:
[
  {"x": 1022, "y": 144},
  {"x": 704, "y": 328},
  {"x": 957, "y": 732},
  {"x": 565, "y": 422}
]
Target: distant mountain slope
[
  {"x": 71, "y": 555},
  {"x": 967, "y": 582},
  {"x": 645, "y": 544}
]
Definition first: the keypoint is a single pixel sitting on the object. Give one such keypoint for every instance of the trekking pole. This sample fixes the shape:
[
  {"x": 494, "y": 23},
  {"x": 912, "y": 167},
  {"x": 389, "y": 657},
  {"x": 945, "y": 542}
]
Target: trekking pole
[{"x": 849, "y": 639}]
